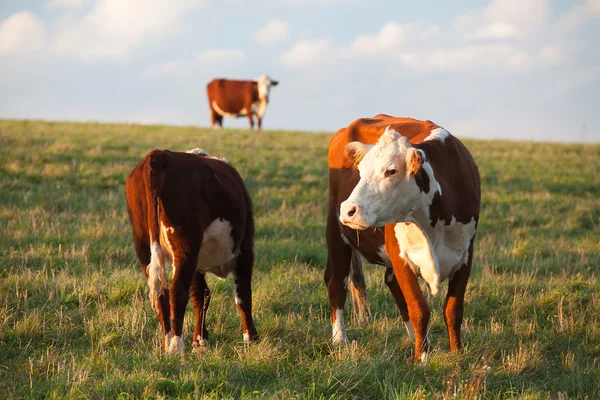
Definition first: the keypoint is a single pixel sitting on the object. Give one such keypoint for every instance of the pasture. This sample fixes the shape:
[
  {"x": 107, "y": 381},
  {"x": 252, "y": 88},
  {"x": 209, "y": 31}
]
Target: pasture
[{"x": 75, "y": 319}]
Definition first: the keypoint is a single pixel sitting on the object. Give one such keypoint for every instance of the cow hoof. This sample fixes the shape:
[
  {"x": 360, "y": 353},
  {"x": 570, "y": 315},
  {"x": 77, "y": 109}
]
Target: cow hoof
[
  {"x": 176, "y": 345},
  {"x": 199, "y": 346},
  {"x": 248, "y": 338}
]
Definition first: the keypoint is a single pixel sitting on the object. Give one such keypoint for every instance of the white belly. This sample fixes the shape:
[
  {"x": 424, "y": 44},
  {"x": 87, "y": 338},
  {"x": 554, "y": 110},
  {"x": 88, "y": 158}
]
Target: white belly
[
  {"x": 217, "y": 253},
  {"x": 437, "y": 254}
]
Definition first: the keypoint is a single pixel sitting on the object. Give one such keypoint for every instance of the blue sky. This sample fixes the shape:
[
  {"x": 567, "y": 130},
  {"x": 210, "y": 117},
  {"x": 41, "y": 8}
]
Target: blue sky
[{"x": 512, "y": 69}]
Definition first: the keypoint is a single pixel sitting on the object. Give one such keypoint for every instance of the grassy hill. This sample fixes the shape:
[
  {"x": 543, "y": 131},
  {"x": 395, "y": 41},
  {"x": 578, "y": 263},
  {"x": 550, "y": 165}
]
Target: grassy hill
[{"x": 75, "y": 320}]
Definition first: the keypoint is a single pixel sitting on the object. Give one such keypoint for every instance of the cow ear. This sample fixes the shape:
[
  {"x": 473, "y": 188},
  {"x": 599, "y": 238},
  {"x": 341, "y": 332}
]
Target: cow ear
[
  {"x": 355, "y": 151},
  {"x": 274, "y": 83},
  {"x": 414, "y": 160}
]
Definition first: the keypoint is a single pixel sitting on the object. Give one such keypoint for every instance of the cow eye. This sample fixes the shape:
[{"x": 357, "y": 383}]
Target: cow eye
[{"x": 390, "y": 172}]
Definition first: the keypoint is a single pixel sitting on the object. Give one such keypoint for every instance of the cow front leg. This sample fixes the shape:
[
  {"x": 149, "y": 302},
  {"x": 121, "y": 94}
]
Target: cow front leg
[
  {"x": 251, "y": 119},
  {"x": 180, "y": 293},
  {"x": 243, "y": 290},
  {"x": 454, "y": 302},
  {"x": 418, "y": 310},
  {"x": 336, "y": 275},
  {"x": 259, "y": 122},
  {"x": 201, "y": 300},
  {"x": 392, "y": 284}
]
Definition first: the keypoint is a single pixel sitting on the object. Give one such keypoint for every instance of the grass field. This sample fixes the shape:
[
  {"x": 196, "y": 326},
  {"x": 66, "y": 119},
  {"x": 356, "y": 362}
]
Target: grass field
[{"x": 75, "y": 319}]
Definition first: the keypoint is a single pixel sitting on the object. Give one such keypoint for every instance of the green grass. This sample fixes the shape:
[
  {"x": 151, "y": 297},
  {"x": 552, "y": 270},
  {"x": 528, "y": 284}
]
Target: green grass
[{"x": 75, "y": 320}]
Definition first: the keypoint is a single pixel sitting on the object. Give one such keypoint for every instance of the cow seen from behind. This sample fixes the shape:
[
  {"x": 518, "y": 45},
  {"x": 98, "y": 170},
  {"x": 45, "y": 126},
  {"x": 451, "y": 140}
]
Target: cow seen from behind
[{"x": 191, "y": 211}]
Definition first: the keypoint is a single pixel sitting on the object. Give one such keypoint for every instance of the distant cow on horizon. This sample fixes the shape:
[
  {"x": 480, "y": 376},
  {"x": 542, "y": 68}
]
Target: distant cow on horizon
[{"x": 235, "y": 98}]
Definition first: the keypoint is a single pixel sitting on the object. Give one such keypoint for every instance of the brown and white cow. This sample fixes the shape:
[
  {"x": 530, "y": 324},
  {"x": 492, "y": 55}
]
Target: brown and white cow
[
  {"x": 193, "y": 212},
  {"x": 233, "y": 98},
  {"x": 404, "y": 194}
]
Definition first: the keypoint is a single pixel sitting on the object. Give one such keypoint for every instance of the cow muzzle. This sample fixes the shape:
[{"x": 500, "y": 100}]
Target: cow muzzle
[{"x": 351, "y": 216}]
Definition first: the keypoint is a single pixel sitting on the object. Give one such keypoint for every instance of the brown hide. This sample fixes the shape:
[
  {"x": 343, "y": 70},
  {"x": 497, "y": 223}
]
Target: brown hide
[
  {"x": 457, "y": 174},
  {"x": 186, "y": 192}
]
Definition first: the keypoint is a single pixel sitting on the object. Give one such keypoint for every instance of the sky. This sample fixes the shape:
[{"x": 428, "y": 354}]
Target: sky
[{"x": 488, "y": 69}]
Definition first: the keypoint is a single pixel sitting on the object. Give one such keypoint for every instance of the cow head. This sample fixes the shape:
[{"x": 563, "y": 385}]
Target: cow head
[
  {"x": 387, "y": 191},
  {"x": 264, "y": 84}
]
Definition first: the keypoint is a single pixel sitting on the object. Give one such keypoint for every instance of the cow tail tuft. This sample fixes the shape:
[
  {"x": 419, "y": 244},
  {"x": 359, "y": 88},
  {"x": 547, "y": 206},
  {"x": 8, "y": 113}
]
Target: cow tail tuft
[
  {"x": 156, "y": 268},
  {"x": 358, "y": 289}
]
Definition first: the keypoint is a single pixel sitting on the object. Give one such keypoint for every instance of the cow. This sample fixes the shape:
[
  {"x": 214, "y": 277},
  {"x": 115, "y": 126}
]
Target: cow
[
  {"x": 191, "y": 211},
  {"x": 233, "y": 98},
  {"x": 404, "y": 194}
]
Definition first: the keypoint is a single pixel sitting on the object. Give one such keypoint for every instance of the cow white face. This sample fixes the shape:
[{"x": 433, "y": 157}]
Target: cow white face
[
  {"x": 264, "y": 86},
  {"x": 387, "y": 191}
]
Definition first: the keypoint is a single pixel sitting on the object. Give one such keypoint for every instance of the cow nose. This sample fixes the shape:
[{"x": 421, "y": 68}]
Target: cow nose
[{"x": 351, "y": 211}]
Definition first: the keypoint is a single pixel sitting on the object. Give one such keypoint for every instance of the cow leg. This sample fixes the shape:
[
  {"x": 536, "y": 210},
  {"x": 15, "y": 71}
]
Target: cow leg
[
  {"x": 243, "y": 289},
  {"x": 418, "y": 310},
  {"x": 454, "y": 303},
  {"x": 251, "y": 119},
  {"x": 337, "y": 272},
  {"x": 142, "y": 249},
  {"x": 184, "y": 267},
  {"x": 259, "y": 122},
  {"x": 201, "y": 300},
  {"x": 392, "y": 284}
]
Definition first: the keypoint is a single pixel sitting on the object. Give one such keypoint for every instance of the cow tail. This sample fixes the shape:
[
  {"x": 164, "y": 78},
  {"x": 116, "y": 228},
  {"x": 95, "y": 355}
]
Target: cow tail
[
  {"x": 358, "y": 289},
  {"x": 156, "y": 269}
]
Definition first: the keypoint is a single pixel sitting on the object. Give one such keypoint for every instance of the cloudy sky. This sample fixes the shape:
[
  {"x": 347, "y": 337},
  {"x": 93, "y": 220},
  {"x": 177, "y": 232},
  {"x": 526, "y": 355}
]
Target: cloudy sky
[{"x": 515, "y": 69}]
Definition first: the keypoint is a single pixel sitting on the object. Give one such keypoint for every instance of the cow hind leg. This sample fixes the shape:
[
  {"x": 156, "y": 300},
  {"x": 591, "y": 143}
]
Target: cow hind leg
[
  {"x": 454, "y": 302},
  {"x": 251, "y": 120},
  {"x": 243, "y": 289},
  {"x": 201, "y": 300},
  {"x": 392, "y": 284},
  {"x": 159, "y": 290},
  {"x": 180, "y": 293}
]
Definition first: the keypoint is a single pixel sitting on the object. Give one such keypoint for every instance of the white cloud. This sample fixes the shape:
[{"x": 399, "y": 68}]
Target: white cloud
[
  {"x": 498, "y": 30},
  {"x": 306, "y": 52},
  {"x": 220, "y": 55},
  {"x": 493, "y": 55},
  {"x": 21, "y": 32},
  {"x": 66, "y": 3},
  {"x": 391, "y": 36},
  {"x": 504, "y": 19},
  {"x": 273, "y": 32},
  {"x": 165, "y": 68},
  {"x": 588, "y": 9},
  {"x": 114, "y": 28}
]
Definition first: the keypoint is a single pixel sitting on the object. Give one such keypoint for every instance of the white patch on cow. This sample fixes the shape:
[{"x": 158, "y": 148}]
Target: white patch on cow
[
  {"x": 198, "y": 151},
  {"x": 264, "y": 84},
  {"x": 238, "y": 301},
  {"x": 435, "y": 253},
  {"x": 410, "y": 329},
  {"x": 246, "y": 337},
  {"x": 176, "y": 345},
  {"x": 367, "y": 206},
  {"x": 167, "y": 256},
  {"x": 168, "y": 340},
  {"x": 157, "y": 280},
  {"x": 438, "y": 134},
  {"x": 222, "y": 113},
  {"x": 338, "y": 328},
  {"x": 415, "y": 248},
  {"x": 346, "y": 282},
  {"x": 424, "y": 358},
  {"x": 217, "y": 254}
]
